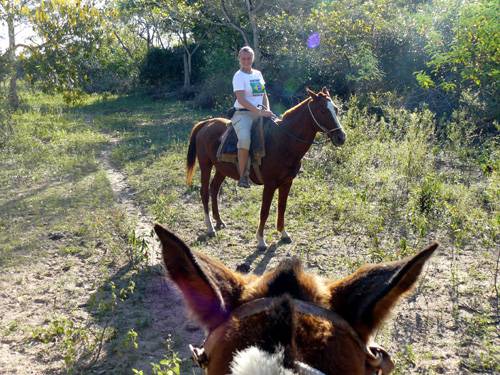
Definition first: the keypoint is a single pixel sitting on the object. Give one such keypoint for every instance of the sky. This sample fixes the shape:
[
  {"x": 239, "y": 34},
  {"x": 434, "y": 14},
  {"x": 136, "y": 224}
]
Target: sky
[{"x": 22, "y": 33}]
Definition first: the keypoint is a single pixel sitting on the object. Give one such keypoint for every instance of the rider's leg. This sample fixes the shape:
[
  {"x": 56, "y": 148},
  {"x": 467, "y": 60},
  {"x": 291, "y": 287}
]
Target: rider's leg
[
  {"x": 242, "y": 161},
  {"x": 243, "y": 127}
]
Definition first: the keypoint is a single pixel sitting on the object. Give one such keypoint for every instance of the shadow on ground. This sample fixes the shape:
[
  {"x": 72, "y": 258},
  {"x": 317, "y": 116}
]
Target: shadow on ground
[{"x": 147, "y": 313}]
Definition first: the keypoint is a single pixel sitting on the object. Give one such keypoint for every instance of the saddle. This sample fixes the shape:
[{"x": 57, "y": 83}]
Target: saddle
[{"x": 228, "y": 151}]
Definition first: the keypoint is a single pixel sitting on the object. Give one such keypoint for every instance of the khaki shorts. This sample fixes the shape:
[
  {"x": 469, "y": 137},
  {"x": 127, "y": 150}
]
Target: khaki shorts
[{"x": 242, "y": 123}]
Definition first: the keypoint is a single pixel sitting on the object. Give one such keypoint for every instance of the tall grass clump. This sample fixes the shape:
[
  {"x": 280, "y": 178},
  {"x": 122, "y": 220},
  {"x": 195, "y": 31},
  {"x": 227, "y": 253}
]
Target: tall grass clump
[{"x": 395, "y": 179}]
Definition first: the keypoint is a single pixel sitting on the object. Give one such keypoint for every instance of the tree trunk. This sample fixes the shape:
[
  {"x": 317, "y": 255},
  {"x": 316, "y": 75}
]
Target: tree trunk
[
  {"x": 13, "y": 97},
  {"x": 187, "y": 70},
  {"x": 255, "y": 35}
]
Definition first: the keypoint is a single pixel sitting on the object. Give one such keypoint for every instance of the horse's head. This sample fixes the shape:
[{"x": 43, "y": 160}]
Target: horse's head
[
  {"x": 324, "y": 114},
  {"x": 288, "y": 321}
]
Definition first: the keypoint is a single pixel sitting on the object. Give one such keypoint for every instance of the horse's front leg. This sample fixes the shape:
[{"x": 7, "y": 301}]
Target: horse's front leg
[
  {"x": 267, "y": 197},
  {"x": 280, "y": 222}
]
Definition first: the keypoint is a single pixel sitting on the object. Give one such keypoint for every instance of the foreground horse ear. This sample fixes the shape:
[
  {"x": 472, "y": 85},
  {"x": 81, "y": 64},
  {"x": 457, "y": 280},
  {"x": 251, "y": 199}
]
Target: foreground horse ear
[
  {"x": 324, "y": 90},
  {"x": 208, "y": 287},
  {"x": 366, "y": 297},
  {"x": 311, "y": 93}
]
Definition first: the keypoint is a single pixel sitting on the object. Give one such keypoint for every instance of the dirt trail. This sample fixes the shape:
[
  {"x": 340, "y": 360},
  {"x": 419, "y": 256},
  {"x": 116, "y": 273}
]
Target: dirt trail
[
  {"x": 125, "y": 197},
  {"x": 161, "y": 299}
]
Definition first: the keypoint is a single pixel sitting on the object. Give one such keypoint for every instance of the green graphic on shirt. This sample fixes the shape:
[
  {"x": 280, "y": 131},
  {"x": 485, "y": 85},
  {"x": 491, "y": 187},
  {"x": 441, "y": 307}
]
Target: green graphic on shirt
[{"x": 258, "y": 88}]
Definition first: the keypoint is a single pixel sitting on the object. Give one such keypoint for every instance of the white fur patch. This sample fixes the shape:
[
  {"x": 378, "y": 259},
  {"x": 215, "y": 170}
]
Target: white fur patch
[
  {"x": 253, "y": 361},
  {"x": 331, "y": 108}
]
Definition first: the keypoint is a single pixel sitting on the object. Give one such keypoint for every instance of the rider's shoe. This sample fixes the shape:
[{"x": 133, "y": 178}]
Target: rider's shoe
[{"x": 243, "y": 182}]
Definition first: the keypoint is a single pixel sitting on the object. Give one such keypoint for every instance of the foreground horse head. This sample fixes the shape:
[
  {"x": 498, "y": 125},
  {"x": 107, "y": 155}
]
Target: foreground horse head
[{"x": 288, "y": 321}]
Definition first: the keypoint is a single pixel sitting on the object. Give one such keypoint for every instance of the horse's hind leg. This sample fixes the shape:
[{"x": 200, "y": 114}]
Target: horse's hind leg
[
  {"x": 205, "y": 170},
  {"x": 214, "y": 195}
]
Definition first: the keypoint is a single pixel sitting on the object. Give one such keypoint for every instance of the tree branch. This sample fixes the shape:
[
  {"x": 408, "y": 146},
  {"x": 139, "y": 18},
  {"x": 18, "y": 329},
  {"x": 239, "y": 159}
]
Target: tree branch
[
  {"x": 231, "y": 23},
  {"x": 127, "y": 50}
]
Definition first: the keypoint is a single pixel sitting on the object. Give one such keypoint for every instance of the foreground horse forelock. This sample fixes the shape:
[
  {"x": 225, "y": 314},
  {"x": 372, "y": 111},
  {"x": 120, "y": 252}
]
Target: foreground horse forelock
[
  {"x": 288, "y": 321},
  {"x": 285, "y": 147}
]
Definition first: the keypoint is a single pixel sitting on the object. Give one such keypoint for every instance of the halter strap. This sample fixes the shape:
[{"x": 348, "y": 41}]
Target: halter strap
[
  {"x": 378, "y": 360},
  {"x": 327, "y": 131},
  {"x": 298, "y": 139}
]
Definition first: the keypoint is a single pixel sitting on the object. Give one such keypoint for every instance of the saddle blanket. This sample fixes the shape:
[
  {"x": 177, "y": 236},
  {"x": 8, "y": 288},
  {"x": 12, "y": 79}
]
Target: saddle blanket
[{"x": 228, "y": 151}]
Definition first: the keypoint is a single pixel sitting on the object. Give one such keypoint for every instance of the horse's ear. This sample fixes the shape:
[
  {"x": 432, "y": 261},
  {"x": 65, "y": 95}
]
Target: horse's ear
[
  {"x": 208, "y": 287},
  {"x": 311, "y": 93},
  {"x": 366, "y": 297},
  {"x": 324, "y": 90}
]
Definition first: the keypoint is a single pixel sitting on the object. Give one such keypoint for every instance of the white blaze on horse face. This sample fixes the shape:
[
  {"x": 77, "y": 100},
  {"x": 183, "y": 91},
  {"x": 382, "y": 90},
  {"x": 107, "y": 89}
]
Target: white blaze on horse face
[
  {"x": 253, "y": 360},
  {"x": 331, "y": 108}
]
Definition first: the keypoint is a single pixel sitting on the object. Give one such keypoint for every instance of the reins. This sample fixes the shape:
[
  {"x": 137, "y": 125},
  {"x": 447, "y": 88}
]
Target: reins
[{"x": 378, "y": 360}]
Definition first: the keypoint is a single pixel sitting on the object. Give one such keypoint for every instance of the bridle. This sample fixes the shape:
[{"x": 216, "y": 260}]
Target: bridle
[
  {"x": 378, "y": 361},
  {"x": 325, "y": 130}
]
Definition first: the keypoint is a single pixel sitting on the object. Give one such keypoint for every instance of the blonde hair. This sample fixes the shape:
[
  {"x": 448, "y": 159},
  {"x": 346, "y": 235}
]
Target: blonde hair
[{"x": 246, "y": 49}]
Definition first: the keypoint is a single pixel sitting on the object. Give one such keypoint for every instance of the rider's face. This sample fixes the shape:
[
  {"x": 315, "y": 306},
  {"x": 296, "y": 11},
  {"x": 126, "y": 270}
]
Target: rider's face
[{"x": 246, "y": 60}]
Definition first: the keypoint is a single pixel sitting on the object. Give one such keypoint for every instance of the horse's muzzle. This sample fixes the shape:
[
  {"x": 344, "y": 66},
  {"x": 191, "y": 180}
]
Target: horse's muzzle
[{"x": 338, "y": 138}]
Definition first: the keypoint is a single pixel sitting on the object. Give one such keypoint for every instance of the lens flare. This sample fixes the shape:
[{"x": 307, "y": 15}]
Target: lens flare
[{"x": 313, "y": 40}]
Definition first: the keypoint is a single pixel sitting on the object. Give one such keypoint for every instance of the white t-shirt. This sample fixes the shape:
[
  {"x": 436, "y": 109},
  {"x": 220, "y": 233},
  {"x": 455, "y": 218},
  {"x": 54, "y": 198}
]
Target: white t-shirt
[{"x": 252, "y": 83}]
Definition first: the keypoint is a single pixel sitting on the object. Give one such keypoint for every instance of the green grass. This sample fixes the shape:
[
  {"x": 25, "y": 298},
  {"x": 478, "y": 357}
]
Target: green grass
[{"x": 393, "y": 187}]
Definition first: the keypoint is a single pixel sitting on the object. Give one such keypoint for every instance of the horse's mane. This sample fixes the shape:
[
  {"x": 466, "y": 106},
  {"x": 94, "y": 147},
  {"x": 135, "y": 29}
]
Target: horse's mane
[{"x": 292, "y": 110}]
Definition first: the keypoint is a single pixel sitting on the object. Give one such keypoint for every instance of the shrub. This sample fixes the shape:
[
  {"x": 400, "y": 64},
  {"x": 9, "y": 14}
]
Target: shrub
[{"x": 161, "y": 66}]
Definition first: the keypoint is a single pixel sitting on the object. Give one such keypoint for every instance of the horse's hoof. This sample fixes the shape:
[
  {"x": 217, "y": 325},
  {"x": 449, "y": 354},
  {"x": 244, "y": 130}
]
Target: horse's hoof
[
  {"x": 220, "y": 225},
  {"x": 286, "y": 240},
  {"x": 211, "y": 234}
]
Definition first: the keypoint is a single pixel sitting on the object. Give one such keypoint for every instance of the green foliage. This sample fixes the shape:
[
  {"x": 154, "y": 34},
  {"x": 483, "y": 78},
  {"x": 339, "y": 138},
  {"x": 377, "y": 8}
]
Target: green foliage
[
  {"x": 470, "y": 59},
  {"x": 473, "y": 52},
  {"x": 169, "y": 365},
  {"x": 70, "y": 31},
  {"x": 161, "y": 66},
  {"x": 74, "y": 340},
  {"x": 138, "y": 250}
]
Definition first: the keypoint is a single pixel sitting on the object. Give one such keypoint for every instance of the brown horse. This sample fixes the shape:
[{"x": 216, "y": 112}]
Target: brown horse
[
  {"x": 288, "y": 321},
  {"x": 285, "y": 146}
]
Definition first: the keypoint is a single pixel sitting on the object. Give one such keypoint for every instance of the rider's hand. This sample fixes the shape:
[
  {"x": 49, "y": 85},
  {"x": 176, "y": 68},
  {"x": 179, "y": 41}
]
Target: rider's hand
[{"x": 266, "y": 113}]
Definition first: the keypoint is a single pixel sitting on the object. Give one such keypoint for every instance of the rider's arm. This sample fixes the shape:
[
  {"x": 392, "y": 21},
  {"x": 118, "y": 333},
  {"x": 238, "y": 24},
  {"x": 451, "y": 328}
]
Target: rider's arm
[
  {"x": 265, "y": 102},
  {"x": 240, "y": 95}
]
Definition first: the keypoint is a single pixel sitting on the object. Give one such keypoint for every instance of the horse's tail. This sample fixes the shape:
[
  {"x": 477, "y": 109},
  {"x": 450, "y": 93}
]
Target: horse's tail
[{"x": 191, "y": 155}]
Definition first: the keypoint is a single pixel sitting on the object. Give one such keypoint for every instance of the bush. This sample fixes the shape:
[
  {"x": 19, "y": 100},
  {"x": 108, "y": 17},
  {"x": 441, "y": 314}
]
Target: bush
[
  {"x": 161, "y": 66},
  {"x": 216, "y": 92}
]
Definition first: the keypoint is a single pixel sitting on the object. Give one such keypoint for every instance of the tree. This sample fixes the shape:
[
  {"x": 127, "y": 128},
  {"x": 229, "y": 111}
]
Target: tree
[
  {"x": 12, "y": 13},
  {"x": 69, "y": 33},
  {"x": 247, "y": 17},
  {"x": 242, "y": 16},
  {"x": 472, "y": 58},
  {"x": 181, "y": 18},
  {"x": 144, "y": 19}
]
